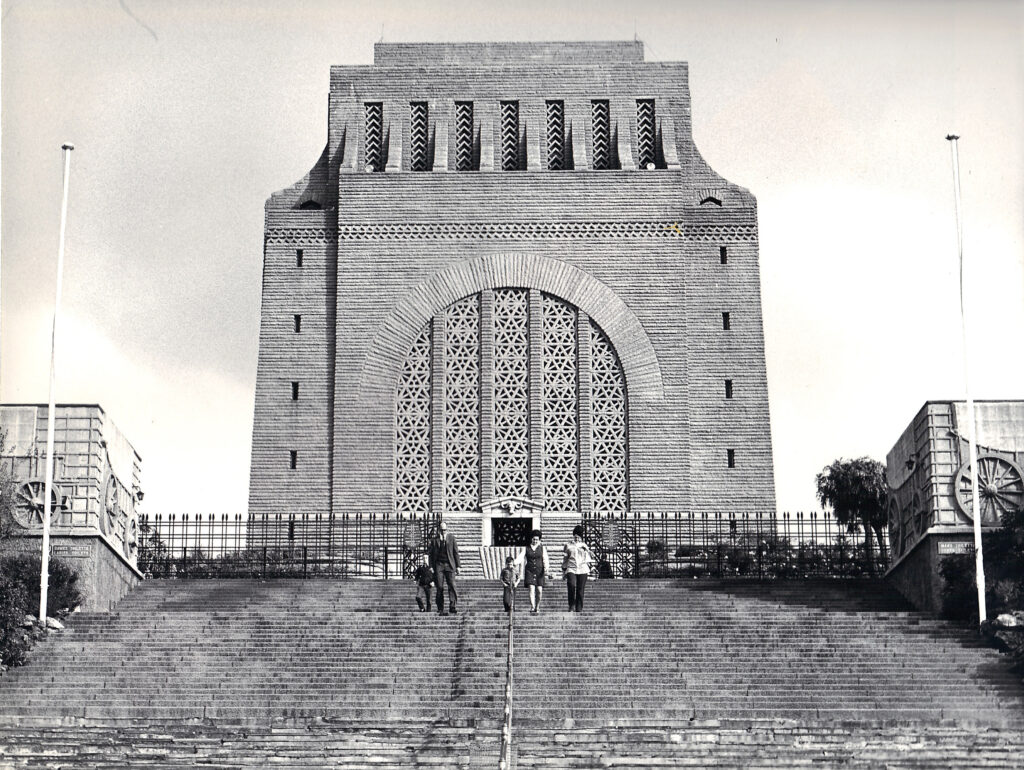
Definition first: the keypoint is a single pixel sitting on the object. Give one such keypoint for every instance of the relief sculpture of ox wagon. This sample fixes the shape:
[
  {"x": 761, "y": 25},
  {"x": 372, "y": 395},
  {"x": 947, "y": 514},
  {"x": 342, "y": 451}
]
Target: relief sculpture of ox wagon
[
  {"x": 96, "y": 473},
  {"x": 930, "y": 475}
]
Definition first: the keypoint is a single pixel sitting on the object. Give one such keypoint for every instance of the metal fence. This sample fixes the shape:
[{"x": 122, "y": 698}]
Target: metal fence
[
  {"x": 634, "y": 545},
  {"x": 280, "y": 545},
  {"x": 756, "y": 545}
]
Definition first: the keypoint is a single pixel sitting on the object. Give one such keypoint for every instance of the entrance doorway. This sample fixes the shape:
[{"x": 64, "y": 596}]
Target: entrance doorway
[{"x": 511, "y": 532}]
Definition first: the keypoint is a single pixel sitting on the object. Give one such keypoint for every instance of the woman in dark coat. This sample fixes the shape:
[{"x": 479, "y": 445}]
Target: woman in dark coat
[{"x": 534, "y": 561}]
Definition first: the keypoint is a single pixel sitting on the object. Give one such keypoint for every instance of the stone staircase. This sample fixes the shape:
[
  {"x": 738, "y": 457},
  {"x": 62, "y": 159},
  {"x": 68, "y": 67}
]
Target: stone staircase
[{"x": 317, "y": 673}]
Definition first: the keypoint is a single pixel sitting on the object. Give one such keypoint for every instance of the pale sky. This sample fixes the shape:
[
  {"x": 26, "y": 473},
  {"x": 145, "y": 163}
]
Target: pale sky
[{"x": 186, "y": 116}]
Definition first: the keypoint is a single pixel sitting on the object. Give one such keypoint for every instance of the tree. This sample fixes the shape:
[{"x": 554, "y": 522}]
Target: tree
[
  {"x": 8, "y": 489},
  {"x": 856, "y": 492}
]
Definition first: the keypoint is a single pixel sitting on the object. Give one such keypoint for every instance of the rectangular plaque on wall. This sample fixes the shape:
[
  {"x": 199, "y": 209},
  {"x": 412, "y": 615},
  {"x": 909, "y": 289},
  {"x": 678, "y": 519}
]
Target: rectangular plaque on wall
[
  {"x": 71, "y": 551},
  {"x": 954, "y": 547}
]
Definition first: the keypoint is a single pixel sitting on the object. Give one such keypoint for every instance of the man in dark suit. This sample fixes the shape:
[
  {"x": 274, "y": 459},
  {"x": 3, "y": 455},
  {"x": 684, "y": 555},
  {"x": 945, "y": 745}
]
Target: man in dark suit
[{"x": 445, "y": 561}]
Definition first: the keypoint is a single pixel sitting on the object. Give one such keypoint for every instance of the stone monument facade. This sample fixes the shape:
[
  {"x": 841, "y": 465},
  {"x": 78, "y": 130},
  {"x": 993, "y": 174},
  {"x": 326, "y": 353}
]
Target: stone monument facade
[
  {"x": 930, "y": 478},
  {"x": 94, "y": 524},
  {"x": 511, "y": 290}
]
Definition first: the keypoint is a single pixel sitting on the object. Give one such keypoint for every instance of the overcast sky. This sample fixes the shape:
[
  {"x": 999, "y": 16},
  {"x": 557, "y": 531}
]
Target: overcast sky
[{"x": 186, "y": 116}]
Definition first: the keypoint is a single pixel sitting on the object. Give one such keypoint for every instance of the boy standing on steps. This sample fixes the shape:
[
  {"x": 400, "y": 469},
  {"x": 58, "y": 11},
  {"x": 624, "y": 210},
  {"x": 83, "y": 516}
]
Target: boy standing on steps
[
  {"x": 424, "y": 584},
  {"x": 509, "y": 581}
]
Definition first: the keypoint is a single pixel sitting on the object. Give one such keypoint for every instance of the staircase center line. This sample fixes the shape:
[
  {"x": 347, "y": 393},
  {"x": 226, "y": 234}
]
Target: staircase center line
[{"x": 505, "y": 762}]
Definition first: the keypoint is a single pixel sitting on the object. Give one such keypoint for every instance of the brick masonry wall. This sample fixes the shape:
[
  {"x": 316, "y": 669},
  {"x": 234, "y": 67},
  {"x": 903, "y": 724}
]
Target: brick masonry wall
[
  {"x": 635, "y": 250},
  {"x": 307, "y": 357}
]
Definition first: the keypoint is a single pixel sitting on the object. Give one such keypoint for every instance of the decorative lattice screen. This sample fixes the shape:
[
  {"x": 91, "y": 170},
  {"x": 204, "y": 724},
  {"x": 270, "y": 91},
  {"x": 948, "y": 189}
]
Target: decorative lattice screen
[
  {"x": 608, "y": 417},
  {"x": 511, "y": 393},
  {"x": 412, "y": 430},
  {"x": 462, "y": 405},
  {"x": 560, "y": 415},
  {"x": 556, "y": 359}
]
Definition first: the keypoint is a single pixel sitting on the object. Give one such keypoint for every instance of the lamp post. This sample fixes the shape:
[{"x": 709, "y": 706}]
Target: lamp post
[
  {"x": 972, "y": 439},
  {"x": 44, "y": 577}
]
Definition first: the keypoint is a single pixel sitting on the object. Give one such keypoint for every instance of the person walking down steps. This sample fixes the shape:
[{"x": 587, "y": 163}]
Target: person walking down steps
[
  {"x": 509, "y": 582},
  {"x": 533, "y": 561},
  {"x": 576, "y": 564},
  {"x": 424, "y": 584},
  {"x": 445, "y": 558}
]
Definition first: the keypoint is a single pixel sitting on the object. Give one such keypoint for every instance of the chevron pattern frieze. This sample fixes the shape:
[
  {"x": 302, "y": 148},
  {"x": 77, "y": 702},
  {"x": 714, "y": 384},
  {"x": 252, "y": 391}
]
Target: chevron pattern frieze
[
  {"x": 556, "y": 136},
  {"x": 509, "y": 136},
  {"x": 419, "y": 136},
  {"x": 601, "y": 123},
  {"x": 645, "y": 133},
  {"x": 463, "y": 136},
  {"x": 373, "y": 151}
]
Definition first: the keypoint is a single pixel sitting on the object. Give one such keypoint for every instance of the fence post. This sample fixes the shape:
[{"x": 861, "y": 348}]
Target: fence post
[{"x": 759, "y": 539}]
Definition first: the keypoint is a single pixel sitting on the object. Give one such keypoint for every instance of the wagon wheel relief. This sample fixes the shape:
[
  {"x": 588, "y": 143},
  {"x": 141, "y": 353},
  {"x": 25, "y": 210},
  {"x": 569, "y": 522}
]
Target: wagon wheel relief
[
  {"x": 29, "y": 503},
  {"x": 894, "y": 514},
  {"x": 1000, "y": 487},
  {"x": 108, "y": 506},
  {"x": 131, "y": 537}
]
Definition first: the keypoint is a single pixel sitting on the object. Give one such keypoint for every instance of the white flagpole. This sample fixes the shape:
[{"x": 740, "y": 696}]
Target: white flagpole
[
  {"x": 972, "y": 441},
  {"x": 44, "y": 577}
]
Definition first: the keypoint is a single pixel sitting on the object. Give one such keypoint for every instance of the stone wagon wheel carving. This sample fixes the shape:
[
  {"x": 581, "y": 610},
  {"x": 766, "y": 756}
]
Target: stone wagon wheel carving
[
  {"x": 108, "y": 506},
  {"x": 131, "y": 536},
  {"x": 895, "y": 516},
  {"x": 29, "y": 503},
  {"x": 1000, "y": 487}
]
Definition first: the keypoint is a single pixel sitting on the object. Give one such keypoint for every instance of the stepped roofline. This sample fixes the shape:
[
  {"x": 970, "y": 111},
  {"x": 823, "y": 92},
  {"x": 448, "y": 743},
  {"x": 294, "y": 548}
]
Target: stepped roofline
[{"x": 490, "y": 54}]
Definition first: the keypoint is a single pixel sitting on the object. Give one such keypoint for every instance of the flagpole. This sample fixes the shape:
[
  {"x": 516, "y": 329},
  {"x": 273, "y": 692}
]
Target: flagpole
[
  {"x": 972, "y": 440},
  {"x": 44, "y": 577}
]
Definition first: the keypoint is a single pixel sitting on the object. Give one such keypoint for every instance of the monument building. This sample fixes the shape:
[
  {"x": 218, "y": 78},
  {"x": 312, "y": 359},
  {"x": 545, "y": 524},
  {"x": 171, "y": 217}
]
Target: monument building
[{"x": 511, "y": 293}]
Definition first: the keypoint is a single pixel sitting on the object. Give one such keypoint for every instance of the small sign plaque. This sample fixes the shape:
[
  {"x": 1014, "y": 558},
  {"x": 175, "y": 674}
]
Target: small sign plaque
[
  {"x": 954, "y": 547},
  {"x": 70, "y": 551}
]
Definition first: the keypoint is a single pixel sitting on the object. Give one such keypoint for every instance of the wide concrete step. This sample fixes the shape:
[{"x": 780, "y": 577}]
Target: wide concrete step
[{"x": 420, "y": 743}]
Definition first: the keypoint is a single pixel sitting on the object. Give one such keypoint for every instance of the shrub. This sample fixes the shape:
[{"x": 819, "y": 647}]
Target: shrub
[
  {"x": 959, "y": 595},
  {"x": 656, "y": 549},
  {"x": 14, "y": 640},
  {"x": 22, "y": 572},
  {"x": 19, "y": 596},
  {"x": 1004, "y": 583}
]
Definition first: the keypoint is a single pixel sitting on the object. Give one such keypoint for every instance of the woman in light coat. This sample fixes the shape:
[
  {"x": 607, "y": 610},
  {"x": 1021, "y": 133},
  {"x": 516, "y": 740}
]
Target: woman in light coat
[{"x": 576, "y": 564}]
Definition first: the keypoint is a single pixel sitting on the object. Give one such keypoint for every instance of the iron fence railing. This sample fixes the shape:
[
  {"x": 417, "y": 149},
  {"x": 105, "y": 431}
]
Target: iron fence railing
[
  {"x": 758, "y": 545},
  {"x": 282, "y": 545}
]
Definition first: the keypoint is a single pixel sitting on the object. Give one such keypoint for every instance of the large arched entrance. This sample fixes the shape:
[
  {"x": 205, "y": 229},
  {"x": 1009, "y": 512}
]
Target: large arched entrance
[{"x": 511, "y": 396}]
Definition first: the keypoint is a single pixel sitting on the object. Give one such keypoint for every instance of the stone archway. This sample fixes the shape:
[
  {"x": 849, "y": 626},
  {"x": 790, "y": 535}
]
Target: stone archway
[{"x": 396, "y": 334}]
